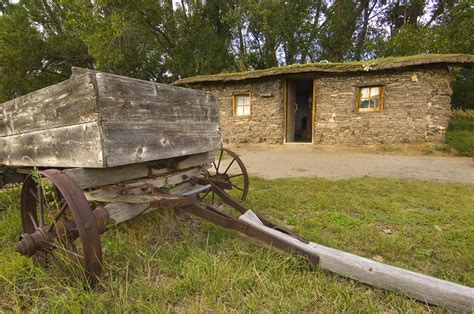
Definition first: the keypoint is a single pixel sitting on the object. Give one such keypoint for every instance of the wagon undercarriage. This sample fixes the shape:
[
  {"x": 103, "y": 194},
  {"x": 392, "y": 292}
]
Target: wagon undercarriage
[{"x": 62, "y": 221}]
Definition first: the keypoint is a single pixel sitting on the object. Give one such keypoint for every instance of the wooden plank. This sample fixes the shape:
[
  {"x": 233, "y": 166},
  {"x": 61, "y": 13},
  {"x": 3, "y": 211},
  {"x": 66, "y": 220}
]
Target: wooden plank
[
  {"x": 157, "y": 109},
  {"x": 135, "y": 188},
  {"x": 196, "y": 160},
  {"x": 127, "y": 143},
  {"x": 123, "y": 207},
  {"x": 421, "y": 287},
  {"x": 104, "y": 196},
  {"x": 127, "y": 99},
  {"x": 87, "y": 178},
  {"x": 120, "y": 212},
  {"x": 70, "y": 102},
  {"x": 69, "y": 146},
  {"x": 167, "y": 180}
]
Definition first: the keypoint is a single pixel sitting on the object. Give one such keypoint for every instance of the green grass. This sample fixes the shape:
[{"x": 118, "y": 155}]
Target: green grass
[
  {"x": 170, "y": 261},
  {"x": 460, "y": 135},
  {"x": 366, "y": 64}
]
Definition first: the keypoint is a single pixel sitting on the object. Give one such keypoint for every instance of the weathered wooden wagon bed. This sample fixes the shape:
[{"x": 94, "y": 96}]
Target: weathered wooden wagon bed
[
  {"x": 99, "y": 120},
  {"x": 122, "y": 147}
]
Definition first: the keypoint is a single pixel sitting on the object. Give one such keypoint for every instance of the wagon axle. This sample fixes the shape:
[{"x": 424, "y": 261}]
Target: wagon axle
[{"x": 44, "y": 236}]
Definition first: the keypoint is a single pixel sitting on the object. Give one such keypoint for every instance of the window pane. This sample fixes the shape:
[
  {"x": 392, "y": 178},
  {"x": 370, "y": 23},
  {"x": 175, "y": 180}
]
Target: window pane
[
  {"x": 242, "y": 103},
  {"x": 374, "y": 102},
  {"x": 246, "y": 110},
  {"x": 364, "y": 104},
  {"x": 364, "y": 93},
  {"x": 374, "y": 91}
]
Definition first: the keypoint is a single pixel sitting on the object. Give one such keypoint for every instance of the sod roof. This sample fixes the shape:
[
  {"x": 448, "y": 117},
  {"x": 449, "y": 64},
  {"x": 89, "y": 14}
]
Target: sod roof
[{"x": 355, "y": 66}]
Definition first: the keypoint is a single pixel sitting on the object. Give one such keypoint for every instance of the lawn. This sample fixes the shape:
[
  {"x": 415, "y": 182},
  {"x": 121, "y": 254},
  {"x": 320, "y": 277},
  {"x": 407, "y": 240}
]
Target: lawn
[
  {"x": 460, "y": 134},
  {"x": 170, "y": 261}
]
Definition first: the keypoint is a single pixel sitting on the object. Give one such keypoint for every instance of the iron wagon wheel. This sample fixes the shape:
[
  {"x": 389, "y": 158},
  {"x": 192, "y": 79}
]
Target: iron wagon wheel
[
  {"x": 222, "y": 174},
  {"x": 59, "y": 226}
]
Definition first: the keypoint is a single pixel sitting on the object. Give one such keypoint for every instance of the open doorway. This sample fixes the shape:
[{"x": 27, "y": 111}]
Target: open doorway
[{"x": 299, "y": 109}]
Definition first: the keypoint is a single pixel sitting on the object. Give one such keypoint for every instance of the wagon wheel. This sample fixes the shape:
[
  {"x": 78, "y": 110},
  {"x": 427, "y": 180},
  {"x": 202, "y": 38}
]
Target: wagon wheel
[
  {"x": 222, "y": 174},
  {"x": 59, "y": 227}
]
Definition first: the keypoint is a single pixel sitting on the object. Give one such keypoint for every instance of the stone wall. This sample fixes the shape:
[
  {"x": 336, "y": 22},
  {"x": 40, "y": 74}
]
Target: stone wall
[
  {"x": 416, "y": 108},
  {"x": 265, "y": 124}
]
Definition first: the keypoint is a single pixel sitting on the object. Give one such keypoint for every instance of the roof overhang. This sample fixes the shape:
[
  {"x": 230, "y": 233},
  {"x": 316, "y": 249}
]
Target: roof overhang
[{"x": 462, "y": 60}]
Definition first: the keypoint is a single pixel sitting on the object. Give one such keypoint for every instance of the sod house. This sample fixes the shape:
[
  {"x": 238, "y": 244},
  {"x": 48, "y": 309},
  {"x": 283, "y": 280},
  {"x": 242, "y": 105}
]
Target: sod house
[{"x": 391, "y": 100}]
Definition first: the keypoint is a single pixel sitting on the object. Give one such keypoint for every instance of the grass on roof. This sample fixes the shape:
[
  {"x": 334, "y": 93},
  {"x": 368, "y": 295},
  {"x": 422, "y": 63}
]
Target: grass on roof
[{"x": 337, "y": 65}]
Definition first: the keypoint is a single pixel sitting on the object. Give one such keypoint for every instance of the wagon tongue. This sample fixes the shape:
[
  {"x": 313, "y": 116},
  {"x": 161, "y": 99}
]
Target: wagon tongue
[{"x": 251, "y": 225}]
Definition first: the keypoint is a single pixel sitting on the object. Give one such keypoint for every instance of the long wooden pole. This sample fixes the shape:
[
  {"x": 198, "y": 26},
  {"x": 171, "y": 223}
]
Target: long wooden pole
[{"x": 418, "y": 286}]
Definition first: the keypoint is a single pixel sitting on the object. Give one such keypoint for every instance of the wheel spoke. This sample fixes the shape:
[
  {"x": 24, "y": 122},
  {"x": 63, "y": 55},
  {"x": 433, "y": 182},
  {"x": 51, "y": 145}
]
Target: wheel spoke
[
  {"x": 61, "y": 212},
  {"x": 238, "y": 188},
  {"x": 212, "y": 198},
  {"x": 236, "y": 175},
  {"x": 34, "y": 195},
  {"x": 33, "y": 220},
  {"x": 228, "y": 167},
  {"x": 67, "y": 250},
  {"x": 220, "y": 159},
  {"x": 207, "y": 193},
  {"x": 215, "y": 167},
  {"x": 41, "y": 204}
]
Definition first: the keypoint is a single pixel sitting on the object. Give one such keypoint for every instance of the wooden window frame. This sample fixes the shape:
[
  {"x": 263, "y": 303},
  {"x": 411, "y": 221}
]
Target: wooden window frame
[
  {"x": 381, "y": 99},
  {"x": 234, "y": 104}
]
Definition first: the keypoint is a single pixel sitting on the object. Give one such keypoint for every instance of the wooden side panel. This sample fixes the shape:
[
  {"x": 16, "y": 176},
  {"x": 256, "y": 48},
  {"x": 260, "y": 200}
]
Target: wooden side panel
[
  {"x": 69, "y": 146},
  {"x": 145, "y": 121},
  {"x": 70, "y": 102},
  {"x": 131, "y": 100},
  {"x": 127, "y": 143}
]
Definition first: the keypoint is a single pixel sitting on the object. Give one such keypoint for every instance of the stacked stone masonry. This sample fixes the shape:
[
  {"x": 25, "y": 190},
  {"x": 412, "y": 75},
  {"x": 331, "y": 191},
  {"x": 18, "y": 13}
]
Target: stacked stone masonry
[
  {"x": 265, "y": 124},
  {"x": 416, "y": 108}
]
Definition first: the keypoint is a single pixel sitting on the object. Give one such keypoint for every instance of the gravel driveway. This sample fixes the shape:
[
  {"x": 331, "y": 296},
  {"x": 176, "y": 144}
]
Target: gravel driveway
[{"x": 282, "y": 161}]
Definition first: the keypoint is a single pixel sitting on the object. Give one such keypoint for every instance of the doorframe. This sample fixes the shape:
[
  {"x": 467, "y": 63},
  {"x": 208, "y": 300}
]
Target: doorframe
[
  {"x": 285, "y": 91},
  {"x": 313, "y": 113},
  {"x": 285, "y": 118}
]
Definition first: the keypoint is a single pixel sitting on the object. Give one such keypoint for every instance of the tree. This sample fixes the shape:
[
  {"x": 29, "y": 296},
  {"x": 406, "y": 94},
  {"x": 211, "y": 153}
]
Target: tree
[
  {"x": 36, "y": 49},
  {"x": 164, "y": 40}
]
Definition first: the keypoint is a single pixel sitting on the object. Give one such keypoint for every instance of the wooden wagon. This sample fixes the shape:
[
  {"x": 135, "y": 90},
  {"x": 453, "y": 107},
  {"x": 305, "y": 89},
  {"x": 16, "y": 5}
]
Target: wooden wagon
[{"x": 99, "y": 149}]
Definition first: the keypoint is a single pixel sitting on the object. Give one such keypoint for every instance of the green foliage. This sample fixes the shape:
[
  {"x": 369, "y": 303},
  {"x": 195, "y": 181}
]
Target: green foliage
[
  {"x": 460, "y": 135},
  {"x": 166, "y": 40},
  {"x": 21, "y": 51},
  {"x": 36, "y": 48},
  {"x": 167, "y": 261},
  {"x": 463, "y": 89}
]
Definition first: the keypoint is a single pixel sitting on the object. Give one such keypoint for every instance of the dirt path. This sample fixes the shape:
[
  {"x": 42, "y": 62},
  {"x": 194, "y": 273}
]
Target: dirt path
[{"x": 284, "y": 161}]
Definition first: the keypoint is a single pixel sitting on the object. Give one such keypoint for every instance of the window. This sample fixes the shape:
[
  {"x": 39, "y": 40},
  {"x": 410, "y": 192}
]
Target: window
[
  {"x": 242, "y": 105},
  {"x": 370, "y": 99}
]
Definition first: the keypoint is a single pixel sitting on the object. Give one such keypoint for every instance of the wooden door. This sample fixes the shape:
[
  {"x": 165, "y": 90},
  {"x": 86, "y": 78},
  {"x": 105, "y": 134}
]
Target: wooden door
[{"x": 290, "y": 111}]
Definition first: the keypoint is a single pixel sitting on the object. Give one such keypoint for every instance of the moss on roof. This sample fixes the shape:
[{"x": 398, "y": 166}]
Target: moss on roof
[{"x": 338, "y": 67}]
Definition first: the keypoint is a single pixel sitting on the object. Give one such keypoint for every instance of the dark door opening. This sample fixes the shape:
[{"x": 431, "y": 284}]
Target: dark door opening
[{"x": 299, "y": 109}]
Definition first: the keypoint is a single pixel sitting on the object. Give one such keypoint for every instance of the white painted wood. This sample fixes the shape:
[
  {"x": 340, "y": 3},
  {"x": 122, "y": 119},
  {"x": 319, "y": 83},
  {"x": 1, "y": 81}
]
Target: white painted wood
[
  {"x": 120, "y": 212},
  {"x": 418, "y": 286}
]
